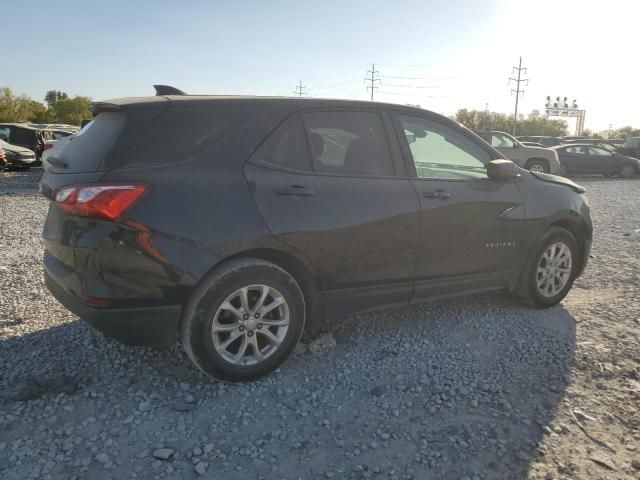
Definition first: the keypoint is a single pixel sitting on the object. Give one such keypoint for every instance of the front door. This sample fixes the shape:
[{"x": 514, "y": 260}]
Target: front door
[
  {"x": 472, "y": 229},
  {"x": 326, "y": 184},
  {"x": 601, "y": 160}
]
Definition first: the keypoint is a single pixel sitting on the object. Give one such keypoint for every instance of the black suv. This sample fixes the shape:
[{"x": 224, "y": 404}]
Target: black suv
[
  {"x": 234, "y": 222},
  {"x": 26, "y": 136}
]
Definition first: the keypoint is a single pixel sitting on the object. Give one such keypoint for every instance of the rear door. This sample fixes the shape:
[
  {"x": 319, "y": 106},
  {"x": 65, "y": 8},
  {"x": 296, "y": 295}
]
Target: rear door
[
  {"x": 472, "y": 234},
  {"x": 575, "y": 158},
  {"x": 329, "y": 183}
]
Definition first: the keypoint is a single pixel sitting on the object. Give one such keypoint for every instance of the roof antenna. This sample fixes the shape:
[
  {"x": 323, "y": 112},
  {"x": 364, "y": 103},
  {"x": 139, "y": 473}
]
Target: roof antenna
[{"x": 167, "y": 90}]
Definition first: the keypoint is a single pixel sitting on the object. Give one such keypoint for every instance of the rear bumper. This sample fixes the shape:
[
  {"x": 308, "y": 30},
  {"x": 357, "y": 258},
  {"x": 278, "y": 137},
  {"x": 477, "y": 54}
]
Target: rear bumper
[{"x": 147, "y": 326}]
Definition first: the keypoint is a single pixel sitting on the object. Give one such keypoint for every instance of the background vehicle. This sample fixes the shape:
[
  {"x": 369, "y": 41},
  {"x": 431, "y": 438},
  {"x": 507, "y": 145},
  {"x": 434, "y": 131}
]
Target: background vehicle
[
  {"x": 546, "y": 141},
  {"x": 532, "y": 158},
  {"x": 584, "y": 158},
  {"x": 24, "y": 135},
  {"x": 17, "y": 157},
  {"x": 188, "y": 215},
  {"x": 3, "y": 159},
  {"x": 631, "y": 147},
  {"x": 594, "y": 141},
  {"x": 532, "y": 144}
]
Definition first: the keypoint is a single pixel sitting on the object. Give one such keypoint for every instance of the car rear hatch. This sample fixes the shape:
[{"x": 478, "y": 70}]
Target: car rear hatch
[{"x": 116, "y": 128}]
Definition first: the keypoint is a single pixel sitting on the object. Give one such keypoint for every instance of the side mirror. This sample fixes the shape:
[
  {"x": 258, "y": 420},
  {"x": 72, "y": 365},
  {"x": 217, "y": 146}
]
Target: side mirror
[{"x": 502, "y": 170}]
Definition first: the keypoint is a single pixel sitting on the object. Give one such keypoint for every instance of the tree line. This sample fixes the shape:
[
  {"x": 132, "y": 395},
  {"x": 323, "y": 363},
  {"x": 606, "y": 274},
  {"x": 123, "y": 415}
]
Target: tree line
[
  {"x": 58, "y": 107},
  {"x": 534, "y": 124}
]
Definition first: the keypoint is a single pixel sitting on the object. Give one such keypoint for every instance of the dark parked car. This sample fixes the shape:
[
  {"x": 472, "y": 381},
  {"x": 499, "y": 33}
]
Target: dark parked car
[
  {"x": 26, "y": 136},
  {"x": 583, "y": 158},
  {"x": 631, "y": 147},
  {"x": 595, "y": 141},
  {"x": 17, "y": 157},
  {"x": 545, "y": 141},
  {"x": 234, "y": 222}
]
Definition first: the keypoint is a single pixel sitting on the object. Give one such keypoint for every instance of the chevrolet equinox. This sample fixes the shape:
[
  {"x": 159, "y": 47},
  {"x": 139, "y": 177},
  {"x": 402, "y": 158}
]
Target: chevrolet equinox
[{"x": 237, "y": 222}]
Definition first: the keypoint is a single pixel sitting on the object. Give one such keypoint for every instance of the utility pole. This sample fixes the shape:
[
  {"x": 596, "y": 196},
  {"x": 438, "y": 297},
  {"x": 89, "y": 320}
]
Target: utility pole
[
  {"x": 299, "y": 90},
  {"x": 373, "y": 79},
  {"x": 517, "y": 90}
]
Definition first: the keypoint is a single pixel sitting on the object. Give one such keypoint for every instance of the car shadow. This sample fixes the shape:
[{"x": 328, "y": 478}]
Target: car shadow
[{"x": 446, "y": 389}]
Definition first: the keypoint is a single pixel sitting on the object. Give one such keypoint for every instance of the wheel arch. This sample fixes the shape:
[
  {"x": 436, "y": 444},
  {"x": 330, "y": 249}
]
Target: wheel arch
[
  {"x": 579, "y": 232},
  {"x": 303, "y": 274}
]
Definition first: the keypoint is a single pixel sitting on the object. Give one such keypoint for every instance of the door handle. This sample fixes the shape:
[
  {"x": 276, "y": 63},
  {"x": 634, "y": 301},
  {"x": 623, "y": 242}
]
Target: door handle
[
  {"x": 439, "y": 194},
  {"x": 295, "y": 190}
]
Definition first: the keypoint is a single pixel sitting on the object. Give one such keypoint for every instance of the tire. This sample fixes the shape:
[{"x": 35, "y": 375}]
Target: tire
[
  {"x": 207, "y": 311},
  {"x": 537, "y": 165},
  {"x": 529, "y": 290},
  {"x": 627, "y": 171}
]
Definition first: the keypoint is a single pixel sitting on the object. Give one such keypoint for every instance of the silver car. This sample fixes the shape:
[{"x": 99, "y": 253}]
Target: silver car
[{"x": 536, "y": 159}]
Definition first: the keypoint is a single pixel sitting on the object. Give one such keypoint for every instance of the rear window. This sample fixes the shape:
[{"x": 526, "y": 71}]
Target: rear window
[
  {"x": 87, "y": 149},
  {"x": 184, "y": 132}
]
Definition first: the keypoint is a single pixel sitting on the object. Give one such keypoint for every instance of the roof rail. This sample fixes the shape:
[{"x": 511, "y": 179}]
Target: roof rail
[{"x": 167, "y": 90}]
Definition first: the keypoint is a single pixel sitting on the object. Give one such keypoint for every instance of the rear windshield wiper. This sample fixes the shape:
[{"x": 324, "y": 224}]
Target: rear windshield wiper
[{"x": 56, "y": 162}]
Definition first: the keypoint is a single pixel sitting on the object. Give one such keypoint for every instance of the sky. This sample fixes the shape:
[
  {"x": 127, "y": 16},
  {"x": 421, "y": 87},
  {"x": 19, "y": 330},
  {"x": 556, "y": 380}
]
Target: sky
[{"x": 442, "y": 55}]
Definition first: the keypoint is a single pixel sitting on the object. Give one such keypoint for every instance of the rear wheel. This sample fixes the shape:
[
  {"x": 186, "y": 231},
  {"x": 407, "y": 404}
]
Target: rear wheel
[
  {"x": 244, "y": 320},
  {"x": 536, "y": 165},
  {"x": 550, "y": 270},
  {"x": 627, "y": 171}
]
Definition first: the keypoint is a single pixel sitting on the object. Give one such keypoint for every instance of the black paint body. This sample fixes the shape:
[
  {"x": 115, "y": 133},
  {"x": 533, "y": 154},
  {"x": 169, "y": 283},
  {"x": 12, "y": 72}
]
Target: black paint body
[{"x": 356, "y": 243}]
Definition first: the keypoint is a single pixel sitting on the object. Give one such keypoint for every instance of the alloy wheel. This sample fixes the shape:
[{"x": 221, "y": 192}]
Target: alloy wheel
[
  {"x": 537, "y": 167},
  {"x": 554, "y": 269},
  {"x": 250, "y": 325}
]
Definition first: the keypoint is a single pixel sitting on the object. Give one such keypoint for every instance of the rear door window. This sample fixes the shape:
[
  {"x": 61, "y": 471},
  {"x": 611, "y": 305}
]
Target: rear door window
[
  {"x": 23, "y": 136},
  {"x": 351, "y": 143},
  {"x": 578, "y": 149},
  {"x": 286, "y": 147}
]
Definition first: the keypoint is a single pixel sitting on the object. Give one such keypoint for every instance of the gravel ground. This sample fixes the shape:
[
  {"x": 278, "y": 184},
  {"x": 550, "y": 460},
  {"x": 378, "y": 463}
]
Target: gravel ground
[{"x": 473, "y": 388}]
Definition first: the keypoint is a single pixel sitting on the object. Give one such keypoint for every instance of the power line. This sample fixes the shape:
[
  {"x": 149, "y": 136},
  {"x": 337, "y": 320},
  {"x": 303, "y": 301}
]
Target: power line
[
  {"x": 331, "y": 86},
  {"x": 375, "y": 77},
  {"x": 452, "y": 77},
  {"x": 299, "y": 90},
  {"x": 409, "y": 86},
  {"x": 383, "y": 92},
  {"x": 517, "y": 91}
]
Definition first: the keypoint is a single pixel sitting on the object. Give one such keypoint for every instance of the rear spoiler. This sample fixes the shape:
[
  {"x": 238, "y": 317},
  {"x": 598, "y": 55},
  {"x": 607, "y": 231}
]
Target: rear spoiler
[
  {"x": 162, "y": 90},
  {"x": 100, "y": 107}
]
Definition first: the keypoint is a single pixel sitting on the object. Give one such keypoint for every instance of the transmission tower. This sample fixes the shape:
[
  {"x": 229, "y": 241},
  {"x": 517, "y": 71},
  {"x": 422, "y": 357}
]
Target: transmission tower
[
  {"x": 520, "y": 69},
  {"x": 299, "y": 90},
  {"x": 373, "y": 79}
]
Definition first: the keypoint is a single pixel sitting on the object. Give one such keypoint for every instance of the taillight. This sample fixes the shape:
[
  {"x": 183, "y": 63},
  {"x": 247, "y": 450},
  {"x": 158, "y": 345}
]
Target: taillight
[
  {"x": 103, "y": 201},
  {"x": 47, "y": 146}
]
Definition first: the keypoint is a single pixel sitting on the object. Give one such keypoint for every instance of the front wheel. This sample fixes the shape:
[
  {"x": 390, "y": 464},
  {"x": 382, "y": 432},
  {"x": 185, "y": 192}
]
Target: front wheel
[
  {"x": 551, "y": 269},
  {"x": 244, "y": 320},
  {"x": 538, "y": 166}
]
